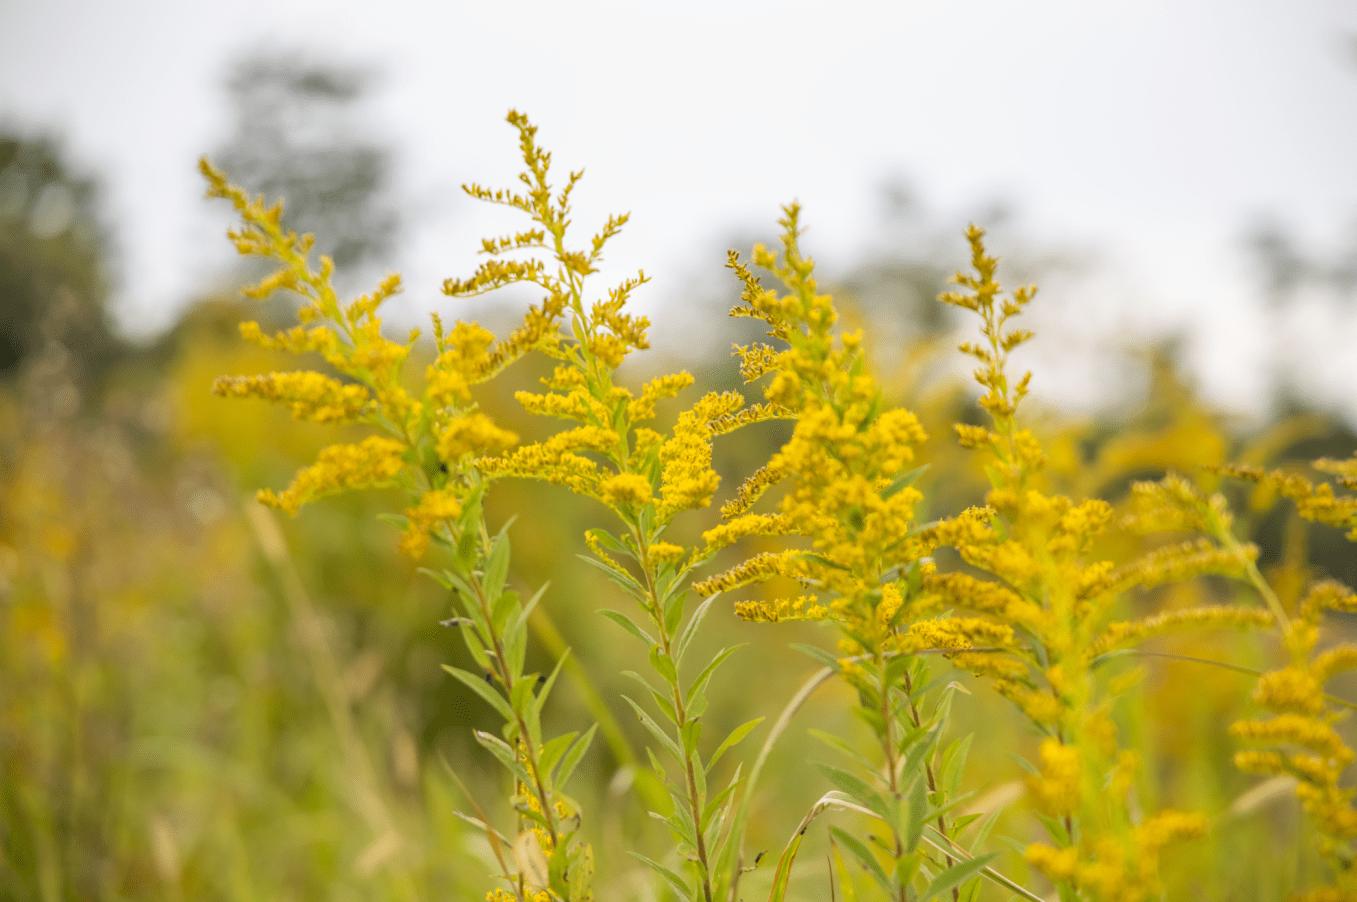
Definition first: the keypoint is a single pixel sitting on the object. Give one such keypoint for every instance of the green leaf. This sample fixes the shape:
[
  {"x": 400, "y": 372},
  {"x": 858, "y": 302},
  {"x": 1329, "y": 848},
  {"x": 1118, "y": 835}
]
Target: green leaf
[
  {"x": 612, "y": 543},
  {"x": 841, "y": 872},
  {"x": 691, "y": 735},
  {"x": 858, "y": 790},
  {"x": 552, "y": 750},
  {"x": 956, "y": 875},
  {"x": 479, "y": 686},
  {"x": 496, "y": 567},
  {"x": 662, "y": 701},
  {"x": 629, "y": 625},
  {"x": 625, "y": 580},
  {"x": 733, "y": 738},
  {"x": 826, "y": 658},
  {"x": 864, "y": 857},
  {"x": 699, "y": 686},
  {"x": 690, "y": 628},
  {"x": 520, "y": 697},
  {"x": 717, "y": 802},
  {"x": 843, "y": 747},
  {"x": 918, "y": 813},
  {"x": 986, "y": 826},
  {"x": 467, "y": 593},
  {"x": 682, "y": 819},
  {"x": 673, "y": 610},
  {"x": 904, "y": 481},
  {"x": 472, "y": 637},
  {"x": 515, "y": 644},
  {"x": 785, "y": 862},
  {"x": 438, "y": 576},
  {"x": 674, "y": 880},
  {"x": 501, "y": 750},
  {"x": 481, "y": 825},
  {"x": 665, "y": 741},
  {"x": 663, "y": 665},
  {"x": 917, "y": 750},
  {"x": 573, "y": 756},
  {"x": 502, "y": 608},
  {"x": 954, "y": 763},
  {"x": 526, "y": 610},
  {"x": 672, "y": 821},
  {"x": 541, "y": 697}
]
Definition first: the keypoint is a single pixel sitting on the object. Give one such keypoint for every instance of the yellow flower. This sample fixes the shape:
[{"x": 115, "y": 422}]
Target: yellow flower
[
  {"x": 371, "y": 463},
  {"x": 654, "y": 391},
  {"x": 667, "y": 552},
  {"x": 732, "y": 531},
  {"x": 308, "y": 395},
  {"x": 473, "y": 433},
  {"x": 1318, "y": 502},
  {"x": 1056, "y": 784},
  {"x": 434, "y": 508},
  {"x": 625, "y": 490},
  {"x": 1034, "y": 549},
  {"x": 845, "y": 463},
  {"x": 687, "y": 479},
  {"x": 548, "y": 463},
  {"x": 755, "y": 569},
  {"x": 781, "y": 610}
]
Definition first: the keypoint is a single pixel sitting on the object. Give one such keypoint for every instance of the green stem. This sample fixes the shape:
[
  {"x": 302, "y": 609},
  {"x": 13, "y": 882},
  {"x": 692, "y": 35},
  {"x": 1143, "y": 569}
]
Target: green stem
[
  {"x": 929, "y": 776},
  {"x": 888, "y": 747},
  {"x": 656, "y": 613},
  {"x": 507, "y": 681}
]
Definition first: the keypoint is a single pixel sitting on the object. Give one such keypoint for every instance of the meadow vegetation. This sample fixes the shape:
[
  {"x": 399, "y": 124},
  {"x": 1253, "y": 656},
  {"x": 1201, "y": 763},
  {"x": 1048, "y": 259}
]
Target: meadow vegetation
[{"x": 534, "y": 622}]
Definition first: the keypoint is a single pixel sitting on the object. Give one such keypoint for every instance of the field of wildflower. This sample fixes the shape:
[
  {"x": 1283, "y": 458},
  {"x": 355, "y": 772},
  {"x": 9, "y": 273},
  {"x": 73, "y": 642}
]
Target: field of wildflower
[{"x": 521, "y": 616}]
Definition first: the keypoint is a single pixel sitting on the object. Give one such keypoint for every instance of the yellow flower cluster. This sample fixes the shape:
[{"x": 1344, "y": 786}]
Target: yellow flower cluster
[
  {"x": 1035, "y": 548},
  {"x": 687, "y": 480},
  {"x": 431, "y": 441},
  {"x": 758, "y": 568},
  {"x": 972, "y": 634},
  {"x": 427, "y": 442},
  {"x": 845, "y": 467},
  {"x": 846, "y": 476},
  {"x": 644, "y": 477},
  {"x": 781, "y": 610},
  {"x": 1179, "y": 562},
  {"x": 1056, "y": 786},
  {"x": 503, "y": 895},
  {"x": 625, "y": 491},
  {"x": 308, "y": 395},
  {"x": 372, "y": 463},
  {"x": 1298, "y": 738},
  {"x": 1122, "y": 871},
  {"x": 434, "y": 507},
  {"x": 472, "y": 433},
  {"x": 639, "y": 467},
  {"x": 1319, "y": 502},
  {"x": 1124, "y": 633}
]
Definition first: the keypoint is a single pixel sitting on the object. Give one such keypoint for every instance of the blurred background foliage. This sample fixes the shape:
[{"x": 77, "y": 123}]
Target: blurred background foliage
[{"x": 200, "y": 701}]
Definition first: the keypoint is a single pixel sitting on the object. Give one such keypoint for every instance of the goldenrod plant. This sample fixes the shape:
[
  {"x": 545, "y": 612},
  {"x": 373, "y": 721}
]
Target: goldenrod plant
[
  {"x": 1043, "y": 582},
  {"x": 425, "y": 443},
  {"x": 846, "y": 478},
  {"x": 1019, "y": 597},
  {"x": 645, "y": 479},
  {"x": 1295, "y": 734}
]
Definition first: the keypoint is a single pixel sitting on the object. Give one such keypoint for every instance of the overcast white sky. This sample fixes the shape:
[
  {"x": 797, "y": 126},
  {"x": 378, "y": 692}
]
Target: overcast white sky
[{"x": 1151, "y": 131}]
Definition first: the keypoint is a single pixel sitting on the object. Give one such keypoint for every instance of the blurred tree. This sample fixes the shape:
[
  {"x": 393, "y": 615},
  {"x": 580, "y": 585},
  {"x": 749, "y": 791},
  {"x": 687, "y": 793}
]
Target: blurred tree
[
  {"x": 895, "y": 285},
  {"x": 297, "y": 135},
  {"x": 1285, "y": 269},
  {"x": 53, "y": 261}
]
